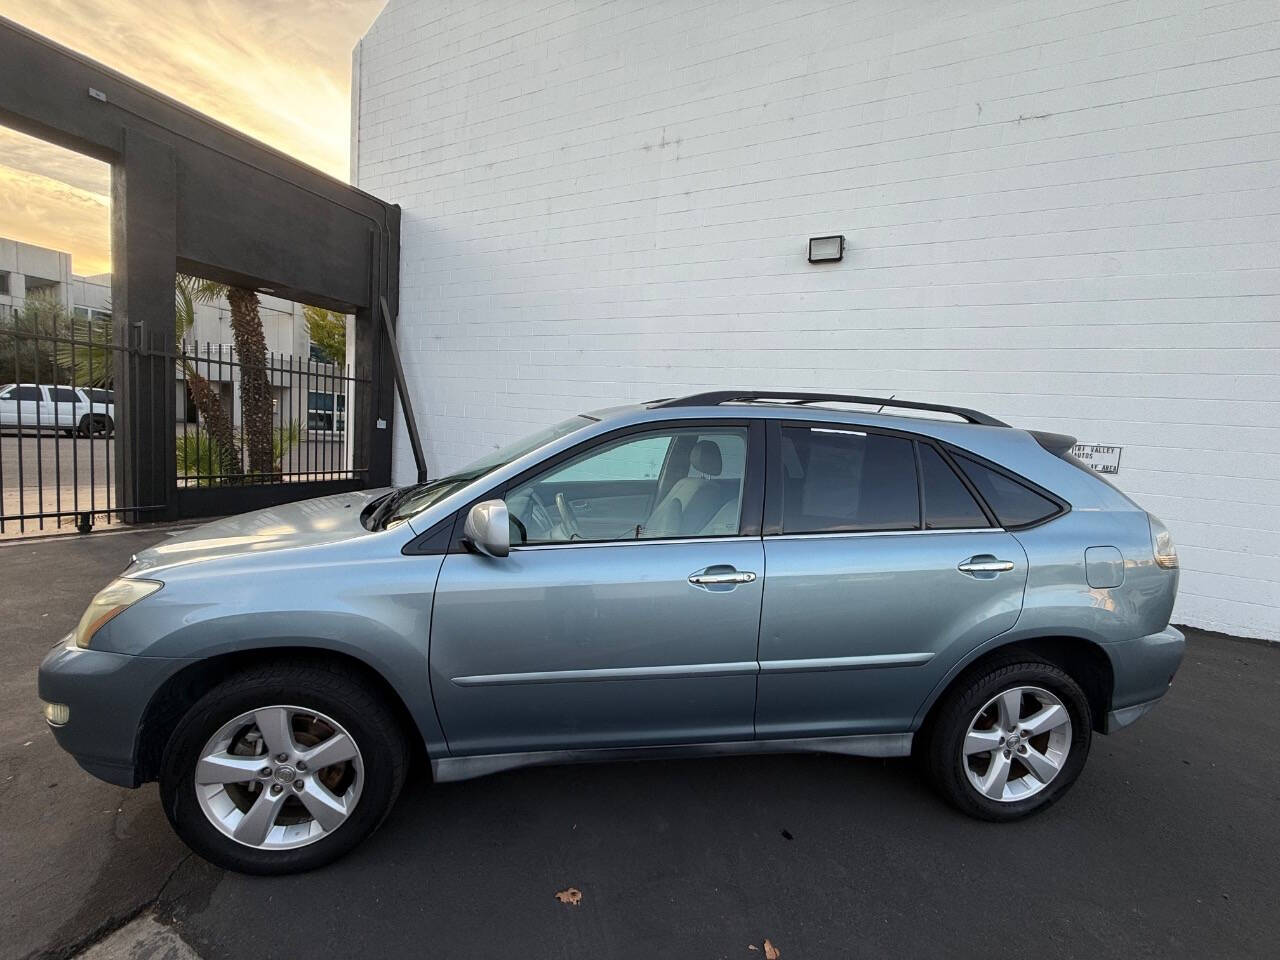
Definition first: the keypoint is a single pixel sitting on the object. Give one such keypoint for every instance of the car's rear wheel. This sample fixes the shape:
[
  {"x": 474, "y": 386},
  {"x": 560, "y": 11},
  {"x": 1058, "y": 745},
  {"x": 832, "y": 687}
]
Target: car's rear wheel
[
  {"x": 282, "y": 768},
  {"x": 1009, "y": 739},
  {"x": 95, "y": 425}
]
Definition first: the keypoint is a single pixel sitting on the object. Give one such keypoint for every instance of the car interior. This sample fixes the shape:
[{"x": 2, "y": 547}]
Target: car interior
[{"x": 673, "y": 484}]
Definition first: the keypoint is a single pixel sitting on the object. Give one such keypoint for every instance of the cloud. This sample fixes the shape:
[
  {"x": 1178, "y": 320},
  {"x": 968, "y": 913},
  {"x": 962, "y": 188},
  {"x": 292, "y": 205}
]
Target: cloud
[
  {"x": 278, "y": 70},
  {"x": 49, "y": 213},
  {"x": 21, "y": 152}
]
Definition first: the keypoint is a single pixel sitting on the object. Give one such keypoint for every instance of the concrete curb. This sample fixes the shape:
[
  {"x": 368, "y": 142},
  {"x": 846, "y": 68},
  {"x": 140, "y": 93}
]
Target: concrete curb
[{"x": 142, "y": 939}]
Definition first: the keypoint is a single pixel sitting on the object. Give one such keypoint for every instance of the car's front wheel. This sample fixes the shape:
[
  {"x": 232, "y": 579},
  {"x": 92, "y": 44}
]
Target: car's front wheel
[
  {"x": 1009, "y": 739},
  {"x": 282, "y": 768}
]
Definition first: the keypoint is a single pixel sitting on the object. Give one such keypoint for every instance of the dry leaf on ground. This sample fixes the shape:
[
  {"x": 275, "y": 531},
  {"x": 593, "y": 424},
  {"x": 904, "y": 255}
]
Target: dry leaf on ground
[
  {"x": 771, "y": 952},
  {"x": 571, "y": 896}
]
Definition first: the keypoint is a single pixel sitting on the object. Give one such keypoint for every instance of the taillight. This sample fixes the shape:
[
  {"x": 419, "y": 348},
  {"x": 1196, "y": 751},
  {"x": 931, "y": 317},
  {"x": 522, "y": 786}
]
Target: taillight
[{"x": 1162, "y": 544}]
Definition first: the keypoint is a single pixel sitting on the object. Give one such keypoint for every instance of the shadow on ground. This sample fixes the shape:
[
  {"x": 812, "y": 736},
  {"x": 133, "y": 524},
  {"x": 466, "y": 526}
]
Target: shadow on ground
[{"x": 1165, "y": 847}]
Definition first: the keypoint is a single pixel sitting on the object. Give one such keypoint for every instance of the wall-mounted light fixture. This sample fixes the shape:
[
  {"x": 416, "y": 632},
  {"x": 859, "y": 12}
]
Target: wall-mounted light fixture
[{"x": 826, "y": 249}]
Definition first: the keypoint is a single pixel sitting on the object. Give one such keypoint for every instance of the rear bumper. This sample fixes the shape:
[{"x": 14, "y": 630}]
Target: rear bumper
[
  {"x": 1143, "y": 670},
  {"x": 107, "y": 694}
]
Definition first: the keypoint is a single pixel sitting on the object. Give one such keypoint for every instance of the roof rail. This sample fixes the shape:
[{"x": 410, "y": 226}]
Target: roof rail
[{"x": 717, "y": 397}]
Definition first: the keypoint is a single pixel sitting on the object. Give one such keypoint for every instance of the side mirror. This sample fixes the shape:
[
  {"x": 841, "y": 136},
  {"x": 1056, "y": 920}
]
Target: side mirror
[{"x": 488, "y": 528}]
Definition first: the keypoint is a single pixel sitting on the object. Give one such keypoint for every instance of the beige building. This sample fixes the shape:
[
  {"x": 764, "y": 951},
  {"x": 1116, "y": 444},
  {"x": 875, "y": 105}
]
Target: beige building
[{"x": 27, "y": 270}]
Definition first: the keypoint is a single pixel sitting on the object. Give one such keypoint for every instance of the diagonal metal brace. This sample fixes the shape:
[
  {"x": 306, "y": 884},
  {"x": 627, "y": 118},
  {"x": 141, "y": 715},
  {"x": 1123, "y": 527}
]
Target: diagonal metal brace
[{"x": 402, "y": 388}]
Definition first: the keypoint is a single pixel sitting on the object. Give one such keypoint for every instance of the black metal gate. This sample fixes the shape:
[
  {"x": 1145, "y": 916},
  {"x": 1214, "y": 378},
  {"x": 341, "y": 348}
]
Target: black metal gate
[{"x": 63, "y": 447}]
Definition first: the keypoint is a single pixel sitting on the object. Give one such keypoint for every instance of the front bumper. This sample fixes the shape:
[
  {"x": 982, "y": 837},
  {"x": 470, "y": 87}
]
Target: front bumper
[
  {"x": 107, "y": 694},
  {"x": 1143, "y": 670}
]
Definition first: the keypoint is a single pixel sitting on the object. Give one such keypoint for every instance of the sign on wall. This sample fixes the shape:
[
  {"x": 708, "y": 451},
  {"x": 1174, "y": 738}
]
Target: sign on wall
[{"x": 1098, "y": 457}]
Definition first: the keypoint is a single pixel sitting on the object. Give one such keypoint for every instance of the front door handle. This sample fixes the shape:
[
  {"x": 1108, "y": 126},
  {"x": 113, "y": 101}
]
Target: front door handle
[
  {"x": 984, "y": 564},
  {"x": 720, "y": 577}
]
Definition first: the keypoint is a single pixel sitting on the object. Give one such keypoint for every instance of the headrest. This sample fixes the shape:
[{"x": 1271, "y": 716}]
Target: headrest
[{"x": 705, "y": 458}]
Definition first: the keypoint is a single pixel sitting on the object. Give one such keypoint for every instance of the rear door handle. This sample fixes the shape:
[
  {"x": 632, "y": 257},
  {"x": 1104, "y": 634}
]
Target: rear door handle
[
  {"x": 720, "y": 577},
  {"x": 985, "y": 563}
]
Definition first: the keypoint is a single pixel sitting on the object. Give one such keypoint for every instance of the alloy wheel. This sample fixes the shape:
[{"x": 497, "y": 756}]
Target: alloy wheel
[
  {"x": 1017, "y": 744},
  {"x": 279, "y": 777}
]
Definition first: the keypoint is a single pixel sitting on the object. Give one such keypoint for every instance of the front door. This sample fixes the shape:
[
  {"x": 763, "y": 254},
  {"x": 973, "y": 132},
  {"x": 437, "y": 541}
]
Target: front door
[
  {"x": 627, "y": 613},
  {"x": 20, "y": 406},
  {"x": 872, "y": 594}
]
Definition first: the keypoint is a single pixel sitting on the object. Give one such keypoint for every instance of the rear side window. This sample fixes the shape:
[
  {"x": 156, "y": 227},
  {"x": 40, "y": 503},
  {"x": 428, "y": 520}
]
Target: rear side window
[
  {"x": 63, "y": 395},
  {"x": 844, "y": 480},
  {"x": 1014, "y": 504},
  {"x": 24, "y": 393},
  {"x": 948, "y": 504}
]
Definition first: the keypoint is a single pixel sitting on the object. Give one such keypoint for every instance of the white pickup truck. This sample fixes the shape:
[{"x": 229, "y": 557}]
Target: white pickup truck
[{"x": 83, "y": 411}]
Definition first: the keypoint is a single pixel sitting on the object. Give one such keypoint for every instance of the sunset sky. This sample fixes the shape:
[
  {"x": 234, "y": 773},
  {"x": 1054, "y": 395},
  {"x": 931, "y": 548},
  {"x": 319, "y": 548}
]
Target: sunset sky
[{"x": 279, "y": 70}]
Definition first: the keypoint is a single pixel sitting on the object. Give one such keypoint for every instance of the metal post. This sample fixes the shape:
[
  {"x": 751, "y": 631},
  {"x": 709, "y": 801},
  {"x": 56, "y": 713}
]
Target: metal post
[{"x": 402, "y": 387}]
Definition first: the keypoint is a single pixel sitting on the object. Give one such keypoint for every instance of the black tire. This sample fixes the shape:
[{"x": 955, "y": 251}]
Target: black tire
[
  {"x": 325, "y": 688},
  {"x": 85, "y": 427},
  {"x": 108, "y": 427},
  {"x": 943, "y": 746}
]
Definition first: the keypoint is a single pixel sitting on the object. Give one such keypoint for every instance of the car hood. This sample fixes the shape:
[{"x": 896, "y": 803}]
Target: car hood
[{"x": 324, "y": 520}]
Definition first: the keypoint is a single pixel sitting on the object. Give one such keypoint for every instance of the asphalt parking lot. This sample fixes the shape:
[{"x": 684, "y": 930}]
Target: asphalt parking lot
[{"x": 1167, "y": 845}]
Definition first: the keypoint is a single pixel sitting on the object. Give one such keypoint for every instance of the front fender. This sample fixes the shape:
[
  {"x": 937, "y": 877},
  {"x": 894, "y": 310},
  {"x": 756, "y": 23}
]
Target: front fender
[{"x": 377, "y": 613}]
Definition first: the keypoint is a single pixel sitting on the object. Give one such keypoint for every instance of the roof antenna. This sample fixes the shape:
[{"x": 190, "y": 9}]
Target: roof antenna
[{"x": 881, "y": 407}]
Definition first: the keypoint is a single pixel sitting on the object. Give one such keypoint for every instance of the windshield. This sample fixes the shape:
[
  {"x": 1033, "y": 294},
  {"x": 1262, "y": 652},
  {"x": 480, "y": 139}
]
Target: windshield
[{"x": 409, "y": 501}]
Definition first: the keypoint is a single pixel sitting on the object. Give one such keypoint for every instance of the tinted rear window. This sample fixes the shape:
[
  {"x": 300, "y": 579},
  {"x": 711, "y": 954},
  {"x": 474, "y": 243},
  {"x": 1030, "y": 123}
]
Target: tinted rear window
[
  {"x": 1014, "y": 504},
  {"x": 948, "y": 504},
  {"x": 845, "y": 480}
]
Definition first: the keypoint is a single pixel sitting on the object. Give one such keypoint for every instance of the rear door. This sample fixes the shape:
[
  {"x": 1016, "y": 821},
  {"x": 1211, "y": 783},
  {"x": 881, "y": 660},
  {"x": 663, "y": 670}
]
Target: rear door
[
  {"x": 883, "y": 569},
  {"x": 63, "y": 406}
]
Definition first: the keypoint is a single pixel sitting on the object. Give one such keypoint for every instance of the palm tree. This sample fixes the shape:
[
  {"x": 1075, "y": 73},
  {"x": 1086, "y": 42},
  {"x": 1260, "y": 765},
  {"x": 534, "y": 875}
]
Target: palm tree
[
  {"x": 91, "y": 366},
  {"x": 187, "y": 292},
  {"x": 255, "y": 384}
]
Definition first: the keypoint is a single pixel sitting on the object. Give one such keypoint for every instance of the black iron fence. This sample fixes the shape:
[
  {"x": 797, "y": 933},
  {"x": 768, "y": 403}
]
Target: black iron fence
[
  {"x": 245, "y": 434},
  {"x": 301, "y": 436}
]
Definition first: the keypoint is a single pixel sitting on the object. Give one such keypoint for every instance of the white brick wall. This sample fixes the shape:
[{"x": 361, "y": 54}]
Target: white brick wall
[{"x": 1064, "y": 212}]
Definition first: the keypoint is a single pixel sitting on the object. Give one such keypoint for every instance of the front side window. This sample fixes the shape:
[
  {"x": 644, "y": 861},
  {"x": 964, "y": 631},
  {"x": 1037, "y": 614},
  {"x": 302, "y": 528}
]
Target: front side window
[
  {"x": 664, "y": 484},
  {"x": 838, "y": 480},
  {"x": 406, "y": 502}
]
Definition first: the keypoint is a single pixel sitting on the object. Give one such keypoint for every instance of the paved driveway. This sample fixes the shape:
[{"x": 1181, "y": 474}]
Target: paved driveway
[{"x": 1165, "y": 847}]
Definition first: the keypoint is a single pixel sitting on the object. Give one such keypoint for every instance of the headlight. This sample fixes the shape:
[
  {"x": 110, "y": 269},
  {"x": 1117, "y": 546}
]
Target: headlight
[
  {"x": 1162, "y": 544},
  {"x": 116, "y": 597}
]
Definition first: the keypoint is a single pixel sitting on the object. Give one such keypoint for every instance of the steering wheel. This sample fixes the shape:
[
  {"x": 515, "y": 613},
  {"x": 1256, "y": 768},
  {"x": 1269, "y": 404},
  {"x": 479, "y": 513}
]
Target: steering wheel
[
  {"x": 568, "y": 519},
  {"x": 528, "y": 512}
]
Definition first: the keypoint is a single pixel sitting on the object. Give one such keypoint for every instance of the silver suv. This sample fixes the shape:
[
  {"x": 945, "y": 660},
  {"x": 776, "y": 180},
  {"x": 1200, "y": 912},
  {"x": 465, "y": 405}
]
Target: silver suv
[{"x": 732, "y": 572}]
